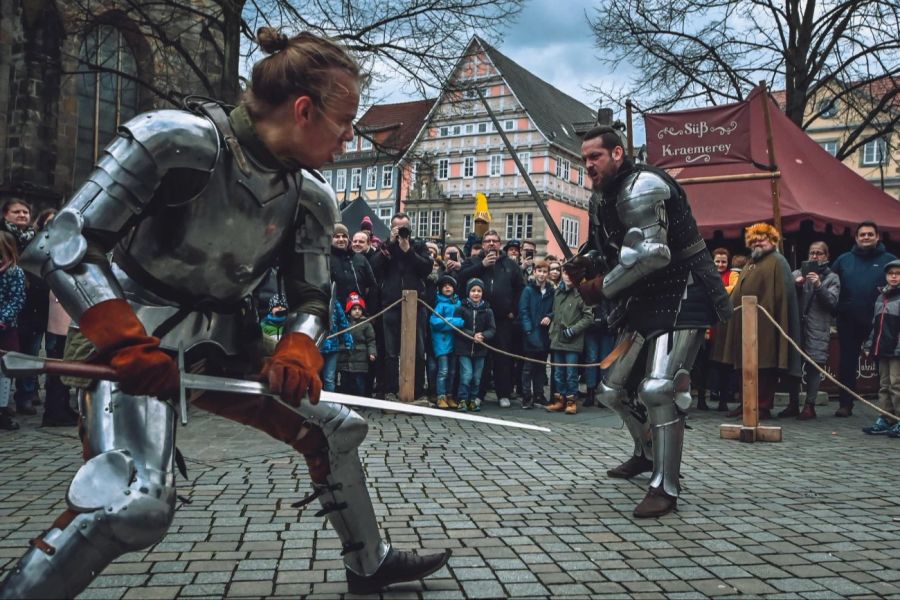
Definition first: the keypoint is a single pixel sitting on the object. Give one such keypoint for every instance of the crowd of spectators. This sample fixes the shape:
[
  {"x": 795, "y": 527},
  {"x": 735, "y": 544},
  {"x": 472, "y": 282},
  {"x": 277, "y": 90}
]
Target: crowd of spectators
[{"x": 496, "y": 312}]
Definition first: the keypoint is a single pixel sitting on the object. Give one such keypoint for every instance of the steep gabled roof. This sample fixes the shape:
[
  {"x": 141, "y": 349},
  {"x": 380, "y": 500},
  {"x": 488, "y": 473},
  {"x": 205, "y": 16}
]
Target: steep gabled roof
[
  {"x": 555, "y": 113},
  {"x": 405, "y": 118}
]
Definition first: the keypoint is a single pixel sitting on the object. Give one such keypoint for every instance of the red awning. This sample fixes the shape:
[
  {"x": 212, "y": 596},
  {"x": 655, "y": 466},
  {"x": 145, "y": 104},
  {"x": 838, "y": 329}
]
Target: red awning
[{"x": 814, "y": 186}]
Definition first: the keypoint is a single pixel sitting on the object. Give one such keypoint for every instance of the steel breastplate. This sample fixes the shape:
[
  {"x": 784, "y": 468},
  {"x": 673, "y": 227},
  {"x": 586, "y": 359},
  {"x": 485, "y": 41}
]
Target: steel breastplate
[{"x": 215, "y": 248}]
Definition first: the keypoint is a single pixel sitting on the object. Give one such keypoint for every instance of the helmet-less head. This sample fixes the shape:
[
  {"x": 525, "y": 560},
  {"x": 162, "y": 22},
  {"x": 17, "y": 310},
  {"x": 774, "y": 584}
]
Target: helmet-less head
[{"x": 303, "y": 97}]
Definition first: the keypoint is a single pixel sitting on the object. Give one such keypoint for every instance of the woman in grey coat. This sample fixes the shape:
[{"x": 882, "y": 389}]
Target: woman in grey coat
[{"x": 818, "y": 289}]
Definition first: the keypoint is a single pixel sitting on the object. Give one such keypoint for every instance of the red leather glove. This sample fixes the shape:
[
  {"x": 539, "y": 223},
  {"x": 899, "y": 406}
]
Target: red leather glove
[
  {"x": 591, "y": 290},
  {"x": 294, "y": 369},
  {"x": 116, "y": 332}
]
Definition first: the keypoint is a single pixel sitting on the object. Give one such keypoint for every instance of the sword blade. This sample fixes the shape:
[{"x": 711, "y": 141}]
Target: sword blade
[{"x": 240, "y": 386}]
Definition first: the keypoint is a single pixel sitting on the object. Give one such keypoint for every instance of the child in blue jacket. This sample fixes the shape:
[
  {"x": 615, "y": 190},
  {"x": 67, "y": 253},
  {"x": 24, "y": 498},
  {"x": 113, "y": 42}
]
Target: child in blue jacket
[
  {"x": 884, "y": 346},
  {"x": 442, "y": 339}
]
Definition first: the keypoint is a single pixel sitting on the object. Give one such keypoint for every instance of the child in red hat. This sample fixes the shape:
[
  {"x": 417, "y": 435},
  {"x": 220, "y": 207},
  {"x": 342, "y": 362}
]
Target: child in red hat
[{"x": 354, "y": 364}]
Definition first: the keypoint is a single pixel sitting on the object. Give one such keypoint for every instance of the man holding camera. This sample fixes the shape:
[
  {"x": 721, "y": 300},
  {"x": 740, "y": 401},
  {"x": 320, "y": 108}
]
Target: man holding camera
[
  {"x": 402, "y": 263},
  {"x": 503, "y": 285}
]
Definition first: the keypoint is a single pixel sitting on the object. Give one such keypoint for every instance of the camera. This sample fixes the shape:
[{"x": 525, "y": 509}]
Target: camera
[
  {"x": 811, "y": 266},
  {"x": 529, "y": 253},
  {"x": 404, "y": 232},
  {"x": 453, "y": 255}
]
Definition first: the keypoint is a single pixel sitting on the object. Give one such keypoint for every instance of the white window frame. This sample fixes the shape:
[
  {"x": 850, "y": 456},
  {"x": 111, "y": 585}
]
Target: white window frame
[
  {"x": 580, "y": 175},
  {"x": 328, "y": 175},
  {"x": 437, "y": 224},
  {"x": 509, "y": 125},
  {"x": 352, "y": 144},
  {"x": 469, "y": 128},
  {"x": 444, "y": 131},
  {"x": 456, "y": 130},
  {"x": 387, "y": 176},
  {"x": 571, "y": 230},
  {"x": 830, "y": 146},
  {"x": 483, "y": 127},
  {"x": 385, "y": 213},
  {"x": 365, "y": 143},
  {"x": 371, "y": 177},
  {"x": 355, "y": 178},
  {"x": 467, "y": 226},
  {"x": 443, "y": 166},
  {"x": 525, "y": 159},
  {"x": 340, "y": 181},
  {"x": 422, "y": 224},
  {"x": 874, "y": 153},
  {"x": 519, "y": 226},
  {"x": 468, "y": 167},
  {"x": 566, "y": 170},
  {"x": 496, "y": 168}
]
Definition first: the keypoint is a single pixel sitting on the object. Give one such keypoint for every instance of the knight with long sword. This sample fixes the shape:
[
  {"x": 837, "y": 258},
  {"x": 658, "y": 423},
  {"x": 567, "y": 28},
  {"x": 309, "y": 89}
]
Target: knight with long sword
[{"x": 197, "y": 205}]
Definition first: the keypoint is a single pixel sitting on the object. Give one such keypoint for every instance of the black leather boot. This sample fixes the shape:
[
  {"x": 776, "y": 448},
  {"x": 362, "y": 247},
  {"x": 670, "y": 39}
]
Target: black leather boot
[
  {"x": 590, "y": 397},
  {"x": 397, "y": 566}
]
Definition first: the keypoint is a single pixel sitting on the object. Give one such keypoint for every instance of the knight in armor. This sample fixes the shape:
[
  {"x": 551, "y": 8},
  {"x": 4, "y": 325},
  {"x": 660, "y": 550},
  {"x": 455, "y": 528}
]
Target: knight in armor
[
  {"x": 196, "y": 206},
  {"x": 646, "y": 255}
]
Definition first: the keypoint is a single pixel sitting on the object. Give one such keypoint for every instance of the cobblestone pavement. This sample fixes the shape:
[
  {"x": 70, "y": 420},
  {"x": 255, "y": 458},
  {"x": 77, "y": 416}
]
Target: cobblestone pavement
[{"x": 527, "y": 514}]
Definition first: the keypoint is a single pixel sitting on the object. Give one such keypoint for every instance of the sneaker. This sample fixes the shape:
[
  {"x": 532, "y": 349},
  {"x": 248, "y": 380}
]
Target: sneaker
[
  {"x": 881, "y": 426},
  {"x": 894, "y": 431},
  {"x": 391, "y": 397},
  {"x": 442, "y": 402},
  {"x": 463, "y": 406},
  {"x": 504, "y": 402},
  {"x": 527, "y": 403},
  {"x": 452, "y": 404},
  {"x": 474, "y": 405}
]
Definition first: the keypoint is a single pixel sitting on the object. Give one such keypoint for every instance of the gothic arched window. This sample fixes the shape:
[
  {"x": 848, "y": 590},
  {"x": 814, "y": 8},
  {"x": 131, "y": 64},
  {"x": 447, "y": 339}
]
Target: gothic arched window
[{"x": 107, "y": 94}]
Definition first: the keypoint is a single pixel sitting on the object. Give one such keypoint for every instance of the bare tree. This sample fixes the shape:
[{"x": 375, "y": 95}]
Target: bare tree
[
  {"x": 413, "y": 41},
  {"x": 715, "y": 51}
]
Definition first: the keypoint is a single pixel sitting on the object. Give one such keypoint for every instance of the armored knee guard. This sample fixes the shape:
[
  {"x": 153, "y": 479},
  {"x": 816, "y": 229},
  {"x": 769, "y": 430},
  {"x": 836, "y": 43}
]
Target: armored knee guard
[
  {"x": 666, "y": 427},
  {"x": 344, "y": 496},
  {"x": 633, "y": 415},
  {"x": 122, "y": 499}
]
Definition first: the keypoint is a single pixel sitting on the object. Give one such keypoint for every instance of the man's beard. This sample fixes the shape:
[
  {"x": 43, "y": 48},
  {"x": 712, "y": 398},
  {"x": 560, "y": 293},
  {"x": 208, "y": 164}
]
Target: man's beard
[{"x": 758, "y": 253}]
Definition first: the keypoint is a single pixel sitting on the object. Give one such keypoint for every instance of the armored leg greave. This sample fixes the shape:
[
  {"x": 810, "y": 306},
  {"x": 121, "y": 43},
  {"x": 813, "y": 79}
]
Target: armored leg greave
[
  {"x": 665, "y": 390},
  {"x": 122, "y": 499},
  {"x": 613, "y": 395},
  {"x": 343, "y": 495},
  {"x": 328, "y": 436}
]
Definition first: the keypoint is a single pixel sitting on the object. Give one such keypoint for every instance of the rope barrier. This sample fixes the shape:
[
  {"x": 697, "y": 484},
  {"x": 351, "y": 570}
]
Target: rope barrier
[
  {"x": 810, "y": 360},
  {"x": 796, "y": 346}
]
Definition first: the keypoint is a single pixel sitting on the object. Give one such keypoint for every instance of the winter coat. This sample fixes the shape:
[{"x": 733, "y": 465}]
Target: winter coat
[
  {"x": 533, "y": 307},
  {"x": 884, "y": 339},
  {"x": 816, "y": 313},
  {"x": 572, "y": 314},
  {"x": 475, "y": 320},
  {"x": 350, "y": 272},
  {"x": 769, "y": 279},
  {"x": 862, "y": 276},
  {"x": 357, "y": 359},
  {"x": 503, "y": 282},
  {"x": 338, "y": 323},
  {"x": 12, "y": 296},
  {"x": 441, "y": 333},
  {"x": 396, "y": 270}
]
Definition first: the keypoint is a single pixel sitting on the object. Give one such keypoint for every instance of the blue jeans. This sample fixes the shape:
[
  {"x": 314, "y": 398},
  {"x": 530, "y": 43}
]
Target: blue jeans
[
  {"x": 597, "y": 346},
  {"x": 354, "y": 383},
  {"x": 446, "y": 371},
  {"x": 470, "y": 368},
  {"x": 30, "y": 341},
  {"x": 566, "y": 377},
  {"x": 329, "y": 371}
]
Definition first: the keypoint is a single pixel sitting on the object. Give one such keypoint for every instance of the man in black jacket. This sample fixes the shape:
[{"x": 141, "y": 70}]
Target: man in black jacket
[
  {"x": 503, "y": 283},
  {"x": 350, "y": 271},
  {"x": 402, "y": 263}
]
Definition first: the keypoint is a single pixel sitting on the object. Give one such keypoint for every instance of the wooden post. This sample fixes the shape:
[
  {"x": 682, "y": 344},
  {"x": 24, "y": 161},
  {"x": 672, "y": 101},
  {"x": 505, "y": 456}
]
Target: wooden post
[
  {"x": 770, "y": 144},
  {"x": 750, "y": 367},
  {"x": 409, "y": 310}
]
